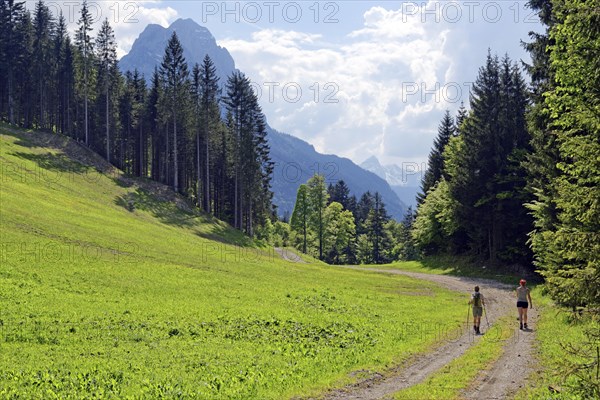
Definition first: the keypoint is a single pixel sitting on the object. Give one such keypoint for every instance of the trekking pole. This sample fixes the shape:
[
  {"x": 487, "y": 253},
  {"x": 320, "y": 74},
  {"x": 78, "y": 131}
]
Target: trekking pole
[
  {"x": 468, "y": 313},
  {"x": 486, "y": 318}
]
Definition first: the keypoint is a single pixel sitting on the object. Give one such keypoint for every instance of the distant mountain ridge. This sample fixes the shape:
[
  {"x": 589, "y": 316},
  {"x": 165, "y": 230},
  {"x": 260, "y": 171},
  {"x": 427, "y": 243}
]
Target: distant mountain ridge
[
  {"x": 148, "y": 49},
  {"x": 405, "y": 182},
  {"x": 295, "y": 160}
]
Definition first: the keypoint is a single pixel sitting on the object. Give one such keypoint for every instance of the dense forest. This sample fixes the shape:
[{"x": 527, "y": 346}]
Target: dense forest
[
  {"x": 516, "y": 179},
  {"x": 178, "y": 128}
]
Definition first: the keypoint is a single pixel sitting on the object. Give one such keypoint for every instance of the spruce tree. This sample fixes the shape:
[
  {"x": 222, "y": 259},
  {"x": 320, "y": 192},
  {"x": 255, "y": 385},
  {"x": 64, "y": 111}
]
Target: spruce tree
[
  {"x": 140, "y": 167},
  {"x": 175, "y": 73},
  {"x": 63, "y": 74},
  {"x": 363, "y": 207},
  {"x": 376, "y": 232},
  {"x": 252, "y": 165},
  {"x": 43, "y": 26},
  {"x": 435, "y": 164},
  {"x": 152, "y": 116},
  {"x": 207, "y": 93},
  {"x": 484, "y": 171},
  {"x": 567, "y": 251},
  {"x": 14, "y": 49},
  {"x": 106, "y": 48},
  {"x": 85, "y": 44},
  {"x": 340, "y": 193},
  {"x": 460, "y": 119}
]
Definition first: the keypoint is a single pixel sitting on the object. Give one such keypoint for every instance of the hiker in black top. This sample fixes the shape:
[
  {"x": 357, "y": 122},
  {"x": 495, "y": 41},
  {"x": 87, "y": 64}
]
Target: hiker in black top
[{"x": 478, "y": 302}]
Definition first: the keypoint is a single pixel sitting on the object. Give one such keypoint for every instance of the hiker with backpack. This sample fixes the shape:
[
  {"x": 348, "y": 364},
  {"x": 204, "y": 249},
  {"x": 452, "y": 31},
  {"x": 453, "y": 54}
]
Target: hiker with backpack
[
  {"x": 478, "y": 303},
  {"x": 523, "y": 302}
]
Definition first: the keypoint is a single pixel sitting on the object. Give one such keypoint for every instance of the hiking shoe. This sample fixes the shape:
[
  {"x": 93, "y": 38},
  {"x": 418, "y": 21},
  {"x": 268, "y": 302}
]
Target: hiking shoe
[
  {"x": 521, "y": 327},
  {"x": 525, "y": 326},
  {"x": 478, "y": 331}
]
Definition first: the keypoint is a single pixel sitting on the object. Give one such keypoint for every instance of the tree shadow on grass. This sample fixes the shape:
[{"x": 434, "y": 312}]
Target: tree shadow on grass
[
  {"x": 56, "y": 163},
  {"x": 169, "y": 213},
  {"x": 226, "y": 235},
  {"x": 36, "y": 139},
  {"x": 166, "y": 212}
]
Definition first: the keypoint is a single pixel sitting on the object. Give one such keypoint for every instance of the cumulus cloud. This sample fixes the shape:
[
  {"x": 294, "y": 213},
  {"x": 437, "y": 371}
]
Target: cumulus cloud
[
  {"x": 353, "y": 95},
  {"x": 390, "y": 79}
]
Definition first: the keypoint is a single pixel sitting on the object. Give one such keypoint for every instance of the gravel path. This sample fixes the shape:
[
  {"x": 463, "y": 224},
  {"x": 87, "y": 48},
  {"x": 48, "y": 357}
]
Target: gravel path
[
  {"x": 501, "y": 381},
  {"x": 289, "y": 255}
]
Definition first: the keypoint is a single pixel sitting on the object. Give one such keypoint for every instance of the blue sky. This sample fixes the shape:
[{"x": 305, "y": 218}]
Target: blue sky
[{"x": 353, "y": 78}]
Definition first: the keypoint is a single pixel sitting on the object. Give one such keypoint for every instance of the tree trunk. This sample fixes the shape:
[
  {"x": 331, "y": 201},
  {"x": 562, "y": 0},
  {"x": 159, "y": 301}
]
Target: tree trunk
[
  {"x": 250, "y": 228},
  {"x": 198, "y": 203},
  {"x": 11, "y": 100},
  {"x": 207, "y": 177},
  {"x": 320, "y": 232},
  {"x": 85, "y": 79},
  {"x": 141, "y": 158},
  {"x": 235, "y": 200},
  {"x": 175, "y": 155},
  {"x": 167, "y": 177},
  {"x": 304, "y": 232},
  {"x": 107, "y": 128}
]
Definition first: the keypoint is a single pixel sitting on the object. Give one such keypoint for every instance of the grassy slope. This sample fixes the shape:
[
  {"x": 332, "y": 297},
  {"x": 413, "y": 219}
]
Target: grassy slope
[{"x": 106, "y": 290}]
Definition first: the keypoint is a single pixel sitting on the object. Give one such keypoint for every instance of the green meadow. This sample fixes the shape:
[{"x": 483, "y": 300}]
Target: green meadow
[{"x": 107, "y": 289}]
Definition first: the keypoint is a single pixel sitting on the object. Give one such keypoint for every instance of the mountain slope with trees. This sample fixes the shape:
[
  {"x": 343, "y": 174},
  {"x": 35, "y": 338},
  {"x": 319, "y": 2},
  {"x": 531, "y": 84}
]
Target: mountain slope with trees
[{"x": 295, "y": 161}]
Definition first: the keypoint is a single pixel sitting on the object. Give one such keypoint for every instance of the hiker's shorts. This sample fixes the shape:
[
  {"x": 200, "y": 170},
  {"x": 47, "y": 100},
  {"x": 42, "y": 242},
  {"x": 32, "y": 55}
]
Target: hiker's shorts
[
  {"x": 522, "y": 304},
  {"x": 477, "y": 311}
]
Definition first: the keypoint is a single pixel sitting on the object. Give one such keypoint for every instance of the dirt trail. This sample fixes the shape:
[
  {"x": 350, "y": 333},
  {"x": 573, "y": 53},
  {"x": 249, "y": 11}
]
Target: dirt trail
[
  {"x": 506, "y": 376},
  {"x": 289, "y": 255}
]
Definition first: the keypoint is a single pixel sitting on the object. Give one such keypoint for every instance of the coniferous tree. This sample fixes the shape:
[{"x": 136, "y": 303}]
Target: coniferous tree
[
  {"x": 106, "y": 48},
  {"x": 376, "y": 232},
  {"x": 24, "y": 84},
  {"x": 123, "y": 153},
  {"x": 460, "y": 118},
  {"x": 43, "y": 26},
  {"x": 174, "y": 70},
  {"x": 340, "y": 193},
  {"x": 363, "y": 207},
  {"x": 567, "y": 249},
  {"x": 207, "y": 94},
  {"x": 237, "y": 102},
  {"x": 64, "y": 76},
  {"x": 407, "y": 250},
  {"x": 252, "y": 165},
  {"x": 15, "y": 51},
  {"x": 152, "y": 116},
  {"x": 435, "y": 164},
  {"x": 140, "y": 167},
  {"x": 484, "y": 173},
  {"x": 85, "y": 44}
]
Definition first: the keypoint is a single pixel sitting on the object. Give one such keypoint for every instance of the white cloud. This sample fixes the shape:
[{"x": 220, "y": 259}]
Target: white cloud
[{"x": 390, "y": 52}]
